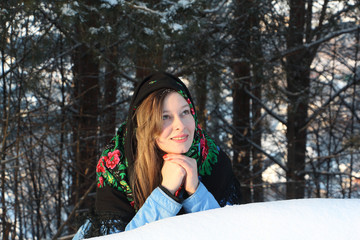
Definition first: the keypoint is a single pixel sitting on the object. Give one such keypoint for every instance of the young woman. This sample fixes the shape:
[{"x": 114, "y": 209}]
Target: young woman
[{"x": 160, "y": 163}]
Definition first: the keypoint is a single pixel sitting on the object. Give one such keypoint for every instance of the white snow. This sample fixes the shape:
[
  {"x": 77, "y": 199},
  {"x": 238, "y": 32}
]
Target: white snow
[
  {"x": 149, "y": 31},
  {"x": 185, "y": 3},
  {"x": 67, "y": 10},
  {"x": 176, "y": 27},
  {"x": 305, "y": 219},
  {"x": 111, "y": 2}
]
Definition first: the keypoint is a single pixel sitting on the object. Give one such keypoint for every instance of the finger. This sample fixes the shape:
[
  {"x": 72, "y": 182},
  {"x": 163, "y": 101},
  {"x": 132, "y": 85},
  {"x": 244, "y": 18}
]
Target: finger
[
  {"x": 173, "y": 175},
  {"x": 188, "y": 164},
  {"x": 168, "y": 157},
  {"x": 173, "y": 167},
  {"x": 191, "y": 178}
]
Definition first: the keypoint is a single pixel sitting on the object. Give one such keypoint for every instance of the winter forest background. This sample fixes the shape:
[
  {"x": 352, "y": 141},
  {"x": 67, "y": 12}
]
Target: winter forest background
[{"x": 276, "y": 84}]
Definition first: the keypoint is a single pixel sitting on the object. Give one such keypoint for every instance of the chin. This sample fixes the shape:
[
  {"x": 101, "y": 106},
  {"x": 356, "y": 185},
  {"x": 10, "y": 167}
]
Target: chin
[
  {"x": 180, "y": 151},
  {"x": 185, "y": 150}
]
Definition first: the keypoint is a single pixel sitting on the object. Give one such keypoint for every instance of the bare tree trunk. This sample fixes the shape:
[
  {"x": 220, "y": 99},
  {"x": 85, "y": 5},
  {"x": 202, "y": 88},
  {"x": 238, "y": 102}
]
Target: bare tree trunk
[
  {"x": 86, "y": 96},
  {"x": 35, "y": 192},
  {"x": 247, "y": 161},
  {"x": 296, "y": 135},
  {"x": 331, "y": 126},
  {"x": 256, "y": 129},
  {"x": 5, "y": 228},
  {"x": 110, "y": 90},
  {"x": 353, "y": 112},
  {"x": 17, "y": 163},
  {"x": 298, "y": 84},
  {"x": 241, "y": 114},
  {"x": 201, "y": 96},
  {"x": 4, "y": 131},
  {"x": 317, "y": 178},
  {"x": 256, "y": 89},
  {"x": 216, "y": 97},
  {"x": 86, "y": 71},
  {"x": 59, "y": 190}
]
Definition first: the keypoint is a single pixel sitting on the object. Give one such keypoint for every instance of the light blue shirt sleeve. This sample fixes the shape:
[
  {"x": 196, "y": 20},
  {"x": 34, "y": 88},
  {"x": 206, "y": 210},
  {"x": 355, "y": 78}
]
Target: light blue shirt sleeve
[
  {"x": 201, "y": 200},
  {"x": 80, "y": 234},
  {"x": 157, "y": 206}
]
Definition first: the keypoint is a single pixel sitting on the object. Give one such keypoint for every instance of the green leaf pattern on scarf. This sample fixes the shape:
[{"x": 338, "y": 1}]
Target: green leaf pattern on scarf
[{"x": 115, "y": 177}]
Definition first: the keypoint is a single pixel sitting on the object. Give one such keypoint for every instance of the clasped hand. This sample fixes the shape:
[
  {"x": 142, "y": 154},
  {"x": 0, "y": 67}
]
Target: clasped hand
[{"x": 177, "y": 170}]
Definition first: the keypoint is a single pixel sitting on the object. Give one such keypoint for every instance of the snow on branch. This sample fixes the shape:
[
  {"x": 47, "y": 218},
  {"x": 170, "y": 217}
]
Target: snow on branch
[
  {"x": 315, "y": 43},
  {"x": 217, "y": 8},
  {"x": 320, "y": 109},
  {"x": 144, "y": 8}
]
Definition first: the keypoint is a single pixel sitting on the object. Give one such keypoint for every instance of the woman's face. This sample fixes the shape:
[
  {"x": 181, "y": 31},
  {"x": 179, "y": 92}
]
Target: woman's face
[{"x": 178, "y": 125}]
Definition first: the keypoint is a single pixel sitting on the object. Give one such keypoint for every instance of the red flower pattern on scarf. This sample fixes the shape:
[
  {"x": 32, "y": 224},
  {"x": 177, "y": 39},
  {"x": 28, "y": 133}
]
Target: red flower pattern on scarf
[
  {"x": 112, "y": 159},
  {"x": 101, "y": 182},
  {"x": 100, "y": 166},
  {"x": 205, "y": 148},
  {"x": 203, "y": 143}
]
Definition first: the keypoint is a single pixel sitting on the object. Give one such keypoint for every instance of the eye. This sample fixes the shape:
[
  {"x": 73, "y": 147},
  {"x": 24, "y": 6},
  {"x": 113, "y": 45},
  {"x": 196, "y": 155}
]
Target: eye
[
  {"x": 165, "y": 117},
  {"x": 186, "y": 112}
]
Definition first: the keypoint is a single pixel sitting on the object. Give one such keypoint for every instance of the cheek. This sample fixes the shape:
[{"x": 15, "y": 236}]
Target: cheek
[
  {"x": 162, "y": 140},
  {"x": 158, "y": 142},
  {"x": 165, "y": 132},
  {"x": 191, "y": 124}
]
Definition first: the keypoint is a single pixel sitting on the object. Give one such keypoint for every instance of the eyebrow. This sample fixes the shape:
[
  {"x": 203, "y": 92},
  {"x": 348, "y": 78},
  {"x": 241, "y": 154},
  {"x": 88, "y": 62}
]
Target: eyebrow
[{"x": 184, "y": 106}]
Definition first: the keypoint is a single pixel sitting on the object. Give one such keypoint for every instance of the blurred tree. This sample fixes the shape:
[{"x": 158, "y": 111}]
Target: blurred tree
[
  {"x": 86, "y": 98},
  {"x": 297, "y": 68},
  {"x": 247, "y": 55}
]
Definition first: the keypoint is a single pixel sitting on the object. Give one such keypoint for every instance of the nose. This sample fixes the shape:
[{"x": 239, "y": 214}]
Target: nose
[{"x": 178, "y": 123}]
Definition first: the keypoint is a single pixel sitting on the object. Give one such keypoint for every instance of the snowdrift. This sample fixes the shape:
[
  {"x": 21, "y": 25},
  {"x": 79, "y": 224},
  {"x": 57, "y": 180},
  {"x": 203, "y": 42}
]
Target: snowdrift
[{"x": 305, "y": 219}]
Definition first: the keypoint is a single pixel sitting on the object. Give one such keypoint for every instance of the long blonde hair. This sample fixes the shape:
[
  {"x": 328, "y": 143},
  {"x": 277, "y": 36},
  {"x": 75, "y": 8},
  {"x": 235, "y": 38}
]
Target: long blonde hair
[{"x": 146, "y": 173}]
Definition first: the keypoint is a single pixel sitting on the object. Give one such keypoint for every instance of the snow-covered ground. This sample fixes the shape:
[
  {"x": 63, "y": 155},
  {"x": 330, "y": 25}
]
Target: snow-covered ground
[{"x": 305, "y": 219}]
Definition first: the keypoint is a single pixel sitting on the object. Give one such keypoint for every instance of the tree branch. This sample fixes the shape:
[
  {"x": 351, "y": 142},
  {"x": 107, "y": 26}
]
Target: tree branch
[
  {"x": 316, "y": 43},
  {"x": 320, "y": 109},
  {"x": 73, "y": 211},
  {"x": 269, "y": 111},
  {"x": 281, "y": 165}
]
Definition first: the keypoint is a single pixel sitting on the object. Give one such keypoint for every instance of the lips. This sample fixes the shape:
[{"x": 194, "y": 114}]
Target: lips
[{"x": 180, "y": 138}]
